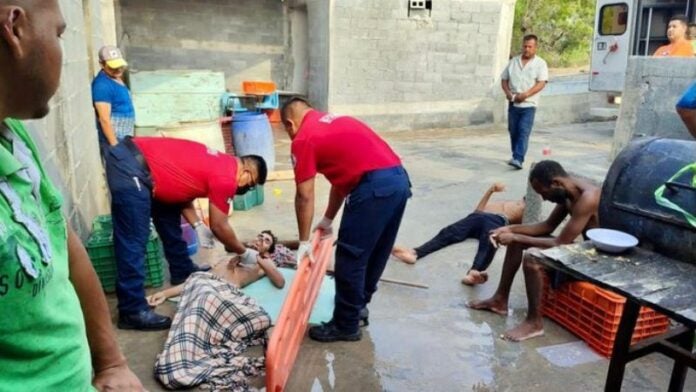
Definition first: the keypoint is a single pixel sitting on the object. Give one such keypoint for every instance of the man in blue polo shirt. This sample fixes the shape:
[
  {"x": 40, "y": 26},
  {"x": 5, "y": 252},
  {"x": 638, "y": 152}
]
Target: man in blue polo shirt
[{"x": 112, "y": 100}]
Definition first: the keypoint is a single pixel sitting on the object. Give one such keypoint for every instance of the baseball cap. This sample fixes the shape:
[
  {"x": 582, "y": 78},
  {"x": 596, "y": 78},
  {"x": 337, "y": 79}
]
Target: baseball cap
[{"x": 112, "y": 56}]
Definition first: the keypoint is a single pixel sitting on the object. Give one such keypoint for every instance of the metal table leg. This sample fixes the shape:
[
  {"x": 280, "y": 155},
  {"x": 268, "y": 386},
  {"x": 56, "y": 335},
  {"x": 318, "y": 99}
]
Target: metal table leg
[
  {"x": 676, "y": 382},
  {"x": 622, "y": 344}
]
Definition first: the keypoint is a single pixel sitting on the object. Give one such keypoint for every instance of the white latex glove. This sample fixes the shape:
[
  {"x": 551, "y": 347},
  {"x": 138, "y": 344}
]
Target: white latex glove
[
  {"x": 206, "y": 238},
  {"x": 305, "y": 249},
  {"x": 325, "y": 226},
  {"x": 249, "y": 256}
]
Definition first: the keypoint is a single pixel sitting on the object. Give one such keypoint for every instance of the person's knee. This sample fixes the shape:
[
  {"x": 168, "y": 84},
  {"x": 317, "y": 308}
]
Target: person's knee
[{"x": 531, "y": 265}]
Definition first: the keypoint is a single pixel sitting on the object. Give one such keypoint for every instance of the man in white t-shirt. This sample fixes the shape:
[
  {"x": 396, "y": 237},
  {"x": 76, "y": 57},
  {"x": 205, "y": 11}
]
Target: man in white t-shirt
[{"x": 522, "y": 80}]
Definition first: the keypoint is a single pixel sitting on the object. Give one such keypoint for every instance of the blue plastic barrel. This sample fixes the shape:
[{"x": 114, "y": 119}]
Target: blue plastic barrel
[{"x": 252, "y": 134}]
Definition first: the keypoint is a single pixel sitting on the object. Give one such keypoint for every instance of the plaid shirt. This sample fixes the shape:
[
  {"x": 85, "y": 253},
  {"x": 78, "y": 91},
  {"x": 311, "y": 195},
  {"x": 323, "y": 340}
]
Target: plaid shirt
[
  {"x": 213, "y": 326},
  {"x": 123, "y": 126}
]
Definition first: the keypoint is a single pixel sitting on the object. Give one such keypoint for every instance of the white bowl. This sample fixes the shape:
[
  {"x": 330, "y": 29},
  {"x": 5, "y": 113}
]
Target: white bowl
[{"x": 612, "y": 241}]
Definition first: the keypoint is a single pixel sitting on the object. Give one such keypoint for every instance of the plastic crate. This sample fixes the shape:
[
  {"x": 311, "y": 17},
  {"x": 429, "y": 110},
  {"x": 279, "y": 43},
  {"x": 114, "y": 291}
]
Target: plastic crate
[
  {"x": 273, "y": 115},
  {"x": 594, "y": 314},
  {"x": 249, "y": 200},
  {"x": 102, "y": 223},
  {"x": 258, "y": 87},
  {"x": 101, "y": 252}
]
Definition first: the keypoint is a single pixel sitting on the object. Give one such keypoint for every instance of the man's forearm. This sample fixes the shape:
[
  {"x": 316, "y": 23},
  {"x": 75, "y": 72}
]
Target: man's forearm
[
  {"x": 228, "y": 238},
  {"x": 100, "y": 334},
  {"x": 189, "y": 213},
  {"x": 335, "y": 200},
  {"x": 532, "y": 230},
  {"x": 484, "y": 200},
  {"x": 505, "y": 85},
  {"x": 536, "y": 242},
  {"x": 688, "y": 116},
  {"x": 304, "y": 209},
  {"x": 535, "y": 89},
  {"x": 108, "y": 130}
]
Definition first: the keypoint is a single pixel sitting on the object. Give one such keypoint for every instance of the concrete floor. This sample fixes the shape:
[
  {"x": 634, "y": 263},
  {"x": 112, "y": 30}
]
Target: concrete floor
[{"x": 426, "y": 339}]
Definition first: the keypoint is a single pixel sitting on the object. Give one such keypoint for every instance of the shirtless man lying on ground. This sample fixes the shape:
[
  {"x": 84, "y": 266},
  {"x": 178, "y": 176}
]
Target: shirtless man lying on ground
[
  {"x": 241, "y": 275},
  {"x": 215, "y": 322},
  {"x": 573, "y": 196},
  {"x": 486, "y": 217}
]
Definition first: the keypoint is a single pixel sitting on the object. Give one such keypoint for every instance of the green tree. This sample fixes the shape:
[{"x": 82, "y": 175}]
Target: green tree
[{"x": 564, "y": 28}]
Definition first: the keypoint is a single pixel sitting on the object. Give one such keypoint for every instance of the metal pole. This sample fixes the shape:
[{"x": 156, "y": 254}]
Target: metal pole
[{"x": 647, "y": 34}]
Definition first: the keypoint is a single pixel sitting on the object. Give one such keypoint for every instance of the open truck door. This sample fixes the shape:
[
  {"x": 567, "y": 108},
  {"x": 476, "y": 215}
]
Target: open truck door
[{"x": 611, "y": 44}]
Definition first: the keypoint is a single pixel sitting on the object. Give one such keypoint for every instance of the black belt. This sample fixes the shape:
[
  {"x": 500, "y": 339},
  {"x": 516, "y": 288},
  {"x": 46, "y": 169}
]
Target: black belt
[{"x": 128, "y": 143}]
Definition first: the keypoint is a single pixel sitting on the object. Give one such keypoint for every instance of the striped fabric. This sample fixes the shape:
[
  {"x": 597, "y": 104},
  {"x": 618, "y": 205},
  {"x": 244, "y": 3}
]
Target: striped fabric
[{"x": 212, "y": 328}]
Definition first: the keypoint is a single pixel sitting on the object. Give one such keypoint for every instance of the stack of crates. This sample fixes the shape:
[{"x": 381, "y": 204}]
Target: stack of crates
[
  {"x": 100, "y": 248},
  {"x": 594, "y": 314},
  {"x": 254, "y": 197}
]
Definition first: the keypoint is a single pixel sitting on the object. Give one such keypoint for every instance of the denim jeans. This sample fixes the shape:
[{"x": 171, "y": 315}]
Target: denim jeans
[
  {"x": 131, "y": 208},
  {"x": 475, "y": 225},
  {"x": 370, "y": 222},
  {"x": 520, "y": 122}
]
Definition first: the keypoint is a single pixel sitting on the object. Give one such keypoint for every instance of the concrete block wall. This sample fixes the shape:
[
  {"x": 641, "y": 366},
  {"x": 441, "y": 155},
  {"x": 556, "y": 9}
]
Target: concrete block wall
[
  {"x": 653, "y": 87},
  {"x": 319, "y": 18},
  {"x": 245, "y": 39},
  {"x": 567, "y": 100},
  {"x": 423, "y": 70},
  {"x": 67, "y": 137}
]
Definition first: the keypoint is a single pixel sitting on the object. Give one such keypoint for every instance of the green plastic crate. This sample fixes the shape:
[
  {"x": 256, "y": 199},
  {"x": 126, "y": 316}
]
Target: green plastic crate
[
  {"x": 102, "y": 223},
  {"x": 101, "y": 251},
  {"x": 248, "y": 200}
]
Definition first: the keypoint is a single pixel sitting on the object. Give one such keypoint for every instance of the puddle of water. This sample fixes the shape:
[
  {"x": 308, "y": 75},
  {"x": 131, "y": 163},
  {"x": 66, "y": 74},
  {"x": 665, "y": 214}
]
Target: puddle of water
[{"x": 329, "y": 364}]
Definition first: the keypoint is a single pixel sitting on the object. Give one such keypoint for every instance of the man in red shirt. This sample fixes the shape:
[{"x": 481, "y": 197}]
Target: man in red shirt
[
  {"x": 159, "y": 178},
  {"x": 365, "y": 172}
]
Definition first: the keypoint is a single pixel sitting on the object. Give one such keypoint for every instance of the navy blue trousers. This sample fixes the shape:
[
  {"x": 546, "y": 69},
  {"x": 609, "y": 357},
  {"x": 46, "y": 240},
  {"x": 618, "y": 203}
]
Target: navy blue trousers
[
  {"x": 475, "y": 225},
  {"x": 131, "y": 208},
  {"x": 520, "y": 123},
  {"x": 371, "y": 218}
]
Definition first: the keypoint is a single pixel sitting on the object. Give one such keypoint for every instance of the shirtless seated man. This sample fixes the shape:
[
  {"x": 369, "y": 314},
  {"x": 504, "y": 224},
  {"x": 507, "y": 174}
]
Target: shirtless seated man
[
  {"x": 486, "y": 217},
  {"x": 572, "y": 195}
]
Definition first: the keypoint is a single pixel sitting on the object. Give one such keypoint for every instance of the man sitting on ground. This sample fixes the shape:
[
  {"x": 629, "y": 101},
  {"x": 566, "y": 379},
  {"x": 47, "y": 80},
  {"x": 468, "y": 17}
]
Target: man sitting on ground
[
  {"x": 214, "y": 324},
  {"x": 486, "y": 217},
  {"x": 573, "y": 196}
]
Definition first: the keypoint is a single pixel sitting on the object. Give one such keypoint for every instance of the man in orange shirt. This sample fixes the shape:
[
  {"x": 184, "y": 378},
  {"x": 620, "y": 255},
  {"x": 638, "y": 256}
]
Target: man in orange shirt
[{"x": 679, "y": 45}]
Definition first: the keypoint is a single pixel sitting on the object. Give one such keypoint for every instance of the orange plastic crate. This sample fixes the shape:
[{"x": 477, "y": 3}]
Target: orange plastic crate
[
  {"x": 273, "y": 115},
  {"x": 594, "y": 314},
  {"x": 258, "y": 87}
]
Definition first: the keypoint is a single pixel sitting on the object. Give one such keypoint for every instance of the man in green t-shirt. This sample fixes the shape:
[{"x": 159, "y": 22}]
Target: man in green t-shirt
[{"x": 55, "y": 333}]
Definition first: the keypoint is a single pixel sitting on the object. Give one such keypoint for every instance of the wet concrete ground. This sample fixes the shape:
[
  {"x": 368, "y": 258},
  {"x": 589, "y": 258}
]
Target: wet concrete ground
[{"x": 426, "y": 339}]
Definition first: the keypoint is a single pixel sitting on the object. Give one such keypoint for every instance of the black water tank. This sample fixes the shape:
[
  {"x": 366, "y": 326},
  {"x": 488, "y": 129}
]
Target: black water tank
[{"x": 628, "y": 196}]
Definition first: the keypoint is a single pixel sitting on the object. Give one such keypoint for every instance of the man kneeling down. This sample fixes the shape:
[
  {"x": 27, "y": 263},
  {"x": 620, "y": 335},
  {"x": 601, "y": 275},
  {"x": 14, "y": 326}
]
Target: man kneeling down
[{"x": 572, "y": 195}]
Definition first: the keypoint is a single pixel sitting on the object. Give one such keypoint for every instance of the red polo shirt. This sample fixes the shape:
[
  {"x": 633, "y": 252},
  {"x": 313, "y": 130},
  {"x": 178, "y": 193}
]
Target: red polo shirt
[
  {"x": 339, "y": 147},
  {"x": 183, "y": 170}
]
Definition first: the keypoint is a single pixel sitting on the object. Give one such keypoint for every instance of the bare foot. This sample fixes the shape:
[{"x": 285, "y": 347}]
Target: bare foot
[
  {"x": 492, "y": 304},
  {"x": 407, "y": 255},
  {"x": 527, "y": 330},
  {"x": 474, "y": 277}
]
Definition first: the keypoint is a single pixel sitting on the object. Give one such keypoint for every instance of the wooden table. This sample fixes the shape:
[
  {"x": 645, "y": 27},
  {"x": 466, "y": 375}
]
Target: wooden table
[{"x": 644, "y": 278}]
